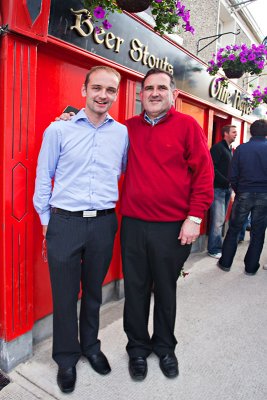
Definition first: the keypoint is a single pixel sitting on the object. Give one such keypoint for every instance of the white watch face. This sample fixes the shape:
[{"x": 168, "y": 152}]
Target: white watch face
[{"x": 195, "y": 219}]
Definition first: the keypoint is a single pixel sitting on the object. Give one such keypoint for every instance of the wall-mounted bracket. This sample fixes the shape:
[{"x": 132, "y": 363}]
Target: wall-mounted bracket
[{"x": 216, "y": 37}]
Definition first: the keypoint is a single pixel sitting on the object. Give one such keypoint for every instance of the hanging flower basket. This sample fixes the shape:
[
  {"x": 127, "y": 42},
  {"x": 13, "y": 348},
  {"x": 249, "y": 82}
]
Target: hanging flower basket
[
  {"x": 236, "y": 60},
  {"x": 233, "y": 74},
  {"x": 258, "y": 97},
  {"x": 133, "y": 6},
  {"x": 169, "y": 15}
]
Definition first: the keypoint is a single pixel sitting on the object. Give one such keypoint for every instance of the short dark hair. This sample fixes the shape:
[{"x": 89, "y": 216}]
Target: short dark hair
[
  {"x": 226, "y": 129},
  {"x": 99, "y": 68},
  {"x": 259, "y": 128},
  {"x": 154, "y": 71}
]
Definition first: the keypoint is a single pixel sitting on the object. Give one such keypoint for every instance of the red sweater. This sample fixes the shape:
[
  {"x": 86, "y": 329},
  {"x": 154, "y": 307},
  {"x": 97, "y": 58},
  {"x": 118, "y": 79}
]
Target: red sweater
[{"x": 169, "y": 173}]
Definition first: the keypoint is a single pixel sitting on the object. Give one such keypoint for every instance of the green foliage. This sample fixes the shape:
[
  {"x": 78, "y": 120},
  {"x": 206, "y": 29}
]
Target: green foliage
[{"x": 169, "y": 15}]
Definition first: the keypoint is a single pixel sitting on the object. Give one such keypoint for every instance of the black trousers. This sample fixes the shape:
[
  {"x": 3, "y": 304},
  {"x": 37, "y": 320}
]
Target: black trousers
[
  {"x": 151, "y": 254},
  {"x": 79, "y": 253}
]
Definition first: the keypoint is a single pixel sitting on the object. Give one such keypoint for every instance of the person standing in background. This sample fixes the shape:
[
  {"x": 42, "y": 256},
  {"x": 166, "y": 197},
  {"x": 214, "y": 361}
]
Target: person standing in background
[
  {"x": 221, "y": 154},
  {"x": 248, "y": 178}
]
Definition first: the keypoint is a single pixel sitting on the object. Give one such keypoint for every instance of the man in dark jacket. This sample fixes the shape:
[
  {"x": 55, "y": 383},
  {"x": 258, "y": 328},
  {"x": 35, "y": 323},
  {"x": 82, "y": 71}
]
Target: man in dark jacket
[
  {"x": 248, "y": 178},
  {"x": 221, "y": 154}
]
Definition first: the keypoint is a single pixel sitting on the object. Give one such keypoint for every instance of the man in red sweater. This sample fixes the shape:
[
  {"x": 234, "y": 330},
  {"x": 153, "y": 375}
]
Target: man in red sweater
[{"x": 167, "y": 188}]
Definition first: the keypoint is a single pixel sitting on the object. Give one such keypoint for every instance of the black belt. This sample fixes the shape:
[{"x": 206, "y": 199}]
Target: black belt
[{"x": 84, "y": 214}]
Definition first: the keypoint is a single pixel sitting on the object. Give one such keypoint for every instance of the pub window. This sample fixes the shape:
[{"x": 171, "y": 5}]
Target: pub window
[{"x": 138, "y": 105}]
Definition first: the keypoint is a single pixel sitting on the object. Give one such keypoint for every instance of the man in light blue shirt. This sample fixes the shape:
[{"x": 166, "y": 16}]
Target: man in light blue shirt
[{"x": 84, "y": 159}]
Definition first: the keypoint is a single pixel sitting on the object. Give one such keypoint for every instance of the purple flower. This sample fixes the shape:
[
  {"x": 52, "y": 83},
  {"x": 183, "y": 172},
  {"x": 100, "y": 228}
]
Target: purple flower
[
  {"x": 189, "y": 28},
  {"x": 236, "y": 47},
  {"x": 260, "y": 64},
  {"x": 158, "y": 1},
  {"x": 232, "y": 57},
  {"x": 186, "y": 16},
  {"x": 251, "y": 56},
  {"x": 99, "y": 12},
  {"x": 106, "y": 24},
  {"x": 256, "y": 92}
]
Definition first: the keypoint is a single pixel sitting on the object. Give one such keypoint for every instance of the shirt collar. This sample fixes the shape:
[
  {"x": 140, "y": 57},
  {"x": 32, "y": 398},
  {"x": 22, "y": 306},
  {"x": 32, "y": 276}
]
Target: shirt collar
[
  {"x": 153, "y": 121},
  {"x": 228, "y": 146},
  {"x": 81, "y": 115},
  {"x": 170, "y": 112}
]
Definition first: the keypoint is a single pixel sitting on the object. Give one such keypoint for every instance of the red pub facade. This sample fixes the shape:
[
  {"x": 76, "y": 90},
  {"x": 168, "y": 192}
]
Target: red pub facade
[{"x": 46, "y": 48}]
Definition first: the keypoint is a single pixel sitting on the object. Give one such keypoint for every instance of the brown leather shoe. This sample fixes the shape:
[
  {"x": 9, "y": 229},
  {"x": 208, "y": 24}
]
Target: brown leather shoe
[
  {"x": 169, "y": 365},
  {"x": 66, "y": 378},
  {"x": 138, "y": 368}
]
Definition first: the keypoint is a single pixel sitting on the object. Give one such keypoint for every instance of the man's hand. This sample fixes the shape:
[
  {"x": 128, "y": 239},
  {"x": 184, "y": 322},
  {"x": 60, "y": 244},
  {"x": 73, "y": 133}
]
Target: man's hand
[
  {"x": 65, "y": 116},
  {"x": 189, "y": 232},
  {"x": 44, "y": 230}
]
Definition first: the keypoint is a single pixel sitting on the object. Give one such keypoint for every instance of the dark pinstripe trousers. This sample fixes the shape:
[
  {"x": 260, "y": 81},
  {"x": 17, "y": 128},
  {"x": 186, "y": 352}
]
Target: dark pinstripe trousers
[
  {"x": 151, "y": 254},
  {"x": 79, "y": 252}
]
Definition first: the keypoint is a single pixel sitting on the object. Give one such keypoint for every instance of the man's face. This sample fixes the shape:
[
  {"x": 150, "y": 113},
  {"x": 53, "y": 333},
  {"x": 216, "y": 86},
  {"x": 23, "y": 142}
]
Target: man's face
[
  {"x": 157, "y": 96},
  {"x": 100, "y": 93},
  {"x": 231, "y": 136}
]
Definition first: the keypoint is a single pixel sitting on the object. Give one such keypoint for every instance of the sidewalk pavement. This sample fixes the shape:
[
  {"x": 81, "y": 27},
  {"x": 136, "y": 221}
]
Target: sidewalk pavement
[{"x": 221, "y": 328}]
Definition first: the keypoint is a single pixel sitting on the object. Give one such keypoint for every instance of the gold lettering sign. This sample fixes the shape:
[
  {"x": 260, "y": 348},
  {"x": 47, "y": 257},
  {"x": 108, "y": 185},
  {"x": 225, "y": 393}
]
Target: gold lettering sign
[
  {"x": 79, "y": 23},
  {"x": 84, "y": 27},
  {"x": 138, "y": 51},
  {"x": 223, "y": 94}
]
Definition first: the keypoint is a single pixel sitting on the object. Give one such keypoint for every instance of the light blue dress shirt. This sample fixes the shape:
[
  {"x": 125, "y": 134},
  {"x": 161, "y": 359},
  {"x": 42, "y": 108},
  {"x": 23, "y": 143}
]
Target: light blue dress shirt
[{"x": 85, "y": 163}]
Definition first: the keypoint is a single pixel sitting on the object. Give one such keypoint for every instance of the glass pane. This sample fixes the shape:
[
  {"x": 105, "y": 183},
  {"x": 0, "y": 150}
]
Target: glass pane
[{"x": 138, "y": 105}]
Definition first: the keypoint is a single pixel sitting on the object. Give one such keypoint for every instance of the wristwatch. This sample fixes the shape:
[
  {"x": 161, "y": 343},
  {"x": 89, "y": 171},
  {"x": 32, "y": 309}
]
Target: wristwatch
[{"x": 197, "y": 220}]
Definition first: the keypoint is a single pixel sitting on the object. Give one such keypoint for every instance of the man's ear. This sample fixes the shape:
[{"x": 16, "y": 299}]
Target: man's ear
[
  {"x": 83, "y": 90},
  {"x": 175, "y": 94}
]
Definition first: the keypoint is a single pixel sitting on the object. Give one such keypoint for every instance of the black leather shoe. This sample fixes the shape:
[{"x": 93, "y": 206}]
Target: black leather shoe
[
  {"x": 99, "y": 363},
  {"x": 226, "y": 269},
  {"x": 169, "y": 365},
  {"x": 250, "y": 273},
  {"x": 66, "y": 378},
  {"x": 138, "y": 368}
]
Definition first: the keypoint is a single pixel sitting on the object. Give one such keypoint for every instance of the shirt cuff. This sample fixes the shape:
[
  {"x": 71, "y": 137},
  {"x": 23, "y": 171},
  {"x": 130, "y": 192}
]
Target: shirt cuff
[{"x": 45, "y": 217}]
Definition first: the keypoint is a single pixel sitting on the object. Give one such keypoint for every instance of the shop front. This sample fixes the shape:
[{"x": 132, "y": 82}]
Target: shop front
[{"x": 47, "y": 46}]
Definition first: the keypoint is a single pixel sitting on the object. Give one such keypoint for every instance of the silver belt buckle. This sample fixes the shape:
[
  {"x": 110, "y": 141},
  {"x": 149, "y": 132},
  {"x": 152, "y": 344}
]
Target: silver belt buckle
[{"x": 89, "y": 213}]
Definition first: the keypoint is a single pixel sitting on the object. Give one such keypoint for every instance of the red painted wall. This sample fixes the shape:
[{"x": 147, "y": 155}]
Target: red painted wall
[{"x": 38, "y": 79}]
